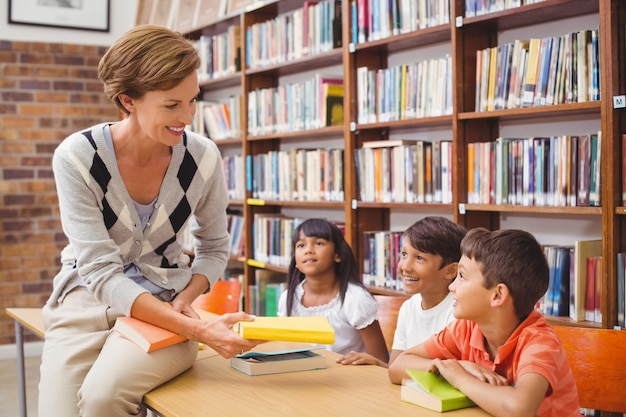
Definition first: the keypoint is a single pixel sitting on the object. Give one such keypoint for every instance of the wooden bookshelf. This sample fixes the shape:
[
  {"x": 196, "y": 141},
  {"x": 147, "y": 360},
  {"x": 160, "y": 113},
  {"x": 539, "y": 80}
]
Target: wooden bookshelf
[{"x": 464, "y": 36}]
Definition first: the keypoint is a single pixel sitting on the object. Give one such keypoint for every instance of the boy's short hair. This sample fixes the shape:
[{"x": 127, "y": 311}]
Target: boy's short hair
[
  {"x": 512, "y": 257},
  {"x": 438, "y": 236}
]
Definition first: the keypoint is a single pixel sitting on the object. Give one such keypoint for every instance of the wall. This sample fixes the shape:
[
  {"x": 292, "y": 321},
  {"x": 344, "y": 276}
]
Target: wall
[
  {"x": 48, "y": 89},
  {"x": 122, "y": 17}
]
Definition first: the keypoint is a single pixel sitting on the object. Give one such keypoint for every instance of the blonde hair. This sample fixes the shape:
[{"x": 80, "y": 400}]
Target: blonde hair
[{"x": 146, "y": 58}]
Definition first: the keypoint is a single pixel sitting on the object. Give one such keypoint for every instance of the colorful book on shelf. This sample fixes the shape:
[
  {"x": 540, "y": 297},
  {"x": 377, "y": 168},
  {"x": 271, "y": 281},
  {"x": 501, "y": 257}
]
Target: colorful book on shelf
[
  {"x": 277, "y": 362},
  {"x": 532, "y": 70},
  {"x": 594, "y": 281},
  {"x": 390, "y": 143},
  {"x": 145, "y": 335},
  {"x": 621, "y": 289},
  {"x": 431, "y": 391},
  {"x": 314, "y": 329},
  {"x": 583, "y": 249}
]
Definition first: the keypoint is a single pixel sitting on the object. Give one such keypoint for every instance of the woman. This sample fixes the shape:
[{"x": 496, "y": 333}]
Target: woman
[{"x": 126, "y": 193}]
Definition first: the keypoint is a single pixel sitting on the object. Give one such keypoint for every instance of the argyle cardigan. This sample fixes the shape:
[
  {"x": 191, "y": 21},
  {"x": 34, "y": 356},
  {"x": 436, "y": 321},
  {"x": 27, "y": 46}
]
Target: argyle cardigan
[{"x": 104, "y": 230}]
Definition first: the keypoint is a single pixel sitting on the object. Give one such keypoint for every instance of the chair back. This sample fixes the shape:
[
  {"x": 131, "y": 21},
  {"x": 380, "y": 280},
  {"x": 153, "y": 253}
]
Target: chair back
[
  {"x": 223, "y": 298},
  {"x": 388, "y": 308},
  {"x": 598, "y": 363}
]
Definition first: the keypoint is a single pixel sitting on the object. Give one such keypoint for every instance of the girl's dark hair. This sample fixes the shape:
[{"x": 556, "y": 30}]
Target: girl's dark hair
[{"x": 346, "y": 270}]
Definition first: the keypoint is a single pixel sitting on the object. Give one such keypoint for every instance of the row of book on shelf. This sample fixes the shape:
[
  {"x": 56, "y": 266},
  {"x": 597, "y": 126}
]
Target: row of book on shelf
[
  {"x": 220, "y": 54},
  {"x": 405, "y": 171},
  {"x": 296, "y": 106},
  {"x": 187, "y": 15},
  {"x": 536, "y": 171},
  {"x": 218, "y": 120},
  {"x": 263, "y": 295},
  {"x": 311, "y": 30},
  {"x": 575, "y": 286},
  {"x": 481, "y": 7},
  {"x": 272, "y": 238},
  {"x": 235, "y": 181},
  {"x": 297, "y": 175},
  {"x": 554, "y": 171},
  {"x": 416, "y": 90},
  {"x": 375, "y": 19},
  {"x": 539, "y": 72}
]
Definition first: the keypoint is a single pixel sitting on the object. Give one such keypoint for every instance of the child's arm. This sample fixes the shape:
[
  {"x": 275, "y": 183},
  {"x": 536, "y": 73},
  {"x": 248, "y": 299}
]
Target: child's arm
[
  {"x": 394, "y": 355},
  {"x": 375, "y": 342},
  {"x": 415, "y": 357},
  {"x": 491, "y": 392}
]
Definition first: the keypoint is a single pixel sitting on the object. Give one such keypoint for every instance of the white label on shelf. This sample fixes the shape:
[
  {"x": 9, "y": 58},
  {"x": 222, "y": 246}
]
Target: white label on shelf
[
  {"x": 619, "y": 102},
  {"x": 459, "y": 21},
  {"x": 353, "y": 205},
  {"x": 351, "y": 47},
  {"x": 352, "y": 126},
  {"x": 461, "y": 208}
]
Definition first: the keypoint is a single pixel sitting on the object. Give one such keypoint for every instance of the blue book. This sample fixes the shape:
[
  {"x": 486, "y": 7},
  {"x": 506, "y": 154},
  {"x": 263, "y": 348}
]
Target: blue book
[
  {"x": 354, "y": 19},
  {"x": 249, "y": 173},
  {"x": 560, "y": 305}
]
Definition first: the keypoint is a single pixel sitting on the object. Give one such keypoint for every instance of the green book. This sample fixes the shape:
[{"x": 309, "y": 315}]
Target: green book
[{"x": 433, "y": 392}]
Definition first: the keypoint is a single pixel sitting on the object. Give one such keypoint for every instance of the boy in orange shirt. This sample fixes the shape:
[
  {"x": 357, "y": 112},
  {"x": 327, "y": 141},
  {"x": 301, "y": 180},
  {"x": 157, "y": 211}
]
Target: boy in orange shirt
[{"x": 500, "y": 351}]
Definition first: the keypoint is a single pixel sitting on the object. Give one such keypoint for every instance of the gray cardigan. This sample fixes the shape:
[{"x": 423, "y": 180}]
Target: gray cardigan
[{"x": 104, "y": 229}]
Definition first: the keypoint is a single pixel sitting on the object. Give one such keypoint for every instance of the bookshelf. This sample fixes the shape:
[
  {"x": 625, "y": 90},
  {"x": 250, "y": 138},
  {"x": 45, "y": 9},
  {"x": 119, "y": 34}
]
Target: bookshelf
[{"x": 460, "y": 38}]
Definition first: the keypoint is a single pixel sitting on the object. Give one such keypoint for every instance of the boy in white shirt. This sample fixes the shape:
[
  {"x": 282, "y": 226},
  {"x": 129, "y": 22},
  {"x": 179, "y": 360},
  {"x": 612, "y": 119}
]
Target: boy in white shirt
[{"x": 428, "y": 264}]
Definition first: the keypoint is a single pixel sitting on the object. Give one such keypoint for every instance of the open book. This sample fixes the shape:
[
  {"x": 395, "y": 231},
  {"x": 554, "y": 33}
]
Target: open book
[
  {"x": 431, "y": 391},
  {"x": 263, "y": 363},
  {"x": 145, "y": 335},
  {"x": 315, "y": 329}
]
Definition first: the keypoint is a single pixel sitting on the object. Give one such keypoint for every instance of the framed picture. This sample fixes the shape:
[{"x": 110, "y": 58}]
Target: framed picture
[{"x": 72, "y": 14}]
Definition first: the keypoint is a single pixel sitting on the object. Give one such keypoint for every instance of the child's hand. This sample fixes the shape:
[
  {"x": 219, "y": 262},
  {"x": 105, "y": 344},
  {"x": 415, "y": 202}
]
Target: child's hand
[
  {"x": 452, "y": 370},
  {"x": 359, "y": 358}
]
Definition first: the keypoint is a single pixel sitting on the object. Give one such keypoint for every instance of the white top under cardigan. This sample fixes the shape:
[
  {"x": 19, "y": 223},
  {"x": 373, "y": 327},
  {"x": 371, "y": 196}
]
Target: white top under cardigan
[
  {"x": 104, "y": 229},
  {"x": 358, "y": 311}
]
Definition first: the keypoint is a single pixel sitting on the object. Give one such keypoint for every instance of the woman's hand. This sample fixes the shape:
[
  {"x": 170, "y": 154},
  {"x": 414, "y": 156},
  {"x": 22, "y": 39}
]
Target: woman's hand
[
  {"x": 218, "y": 334},
  {"x": 184, "y": 307}
]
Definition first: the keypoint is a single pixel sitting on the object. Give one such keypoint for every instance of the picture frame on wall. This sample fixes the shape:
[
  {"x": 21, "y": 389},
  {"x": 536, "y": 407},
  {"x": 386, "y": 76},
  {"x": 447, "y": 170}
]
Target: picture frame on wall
[{"x": 70, "y": 14}]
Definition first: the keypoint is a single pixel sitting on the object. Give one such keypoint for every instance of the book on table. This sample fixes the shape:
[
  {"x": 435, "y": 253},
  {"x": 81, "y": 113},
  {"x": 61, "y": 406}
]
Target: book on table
[
  {"x": 314, "y": 329},
  {"x": 145, "y": 335},
  {"x": 431, "y": 391},
  {"x": 276, "y": 362}
]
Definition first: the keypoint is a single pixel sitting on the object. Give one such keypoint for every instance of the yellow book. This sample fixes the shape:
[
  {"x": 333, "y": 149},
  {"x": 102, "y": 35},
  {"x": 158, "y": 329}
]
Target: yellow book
[
  {"x": 532, "y": 70},
  {"x": 491, "y": 89},
  {"x": 314, "y": 329}
]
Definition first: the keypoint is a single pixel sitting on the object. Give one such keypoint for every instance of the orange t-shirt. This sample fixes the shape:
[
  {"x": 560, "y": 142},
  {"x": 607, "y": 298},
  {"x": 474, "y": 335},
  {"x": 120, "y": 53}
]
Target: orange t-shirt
[{"x": 534, "y": 347}]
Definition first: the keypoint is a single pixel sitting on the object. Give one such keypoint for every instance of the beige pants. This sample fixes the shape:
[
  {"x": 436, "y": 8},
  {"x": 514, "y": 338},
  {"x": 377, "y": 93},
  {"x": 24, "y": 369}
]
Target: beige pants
[{"x": 88, "y": 370}]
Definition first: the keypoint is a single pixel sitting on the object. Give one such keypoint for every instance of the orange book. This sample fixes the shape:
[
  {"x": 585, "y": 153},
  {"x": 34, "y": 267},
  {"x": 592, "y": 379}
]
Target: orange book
[{"x": 145, "y": 335}]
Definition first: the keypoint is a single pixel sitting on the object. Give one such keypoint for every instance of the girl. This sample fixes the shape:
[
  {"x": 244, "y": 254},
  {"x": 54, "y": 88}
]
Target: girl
[{"x": 323, "y": 281}]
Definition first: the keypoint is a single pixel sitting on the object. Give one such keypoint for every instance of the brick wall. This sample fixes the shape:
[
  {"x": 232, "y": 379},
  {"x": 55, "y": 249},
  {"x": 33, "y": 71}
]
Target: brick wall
[{"x": 47, "y": 92}]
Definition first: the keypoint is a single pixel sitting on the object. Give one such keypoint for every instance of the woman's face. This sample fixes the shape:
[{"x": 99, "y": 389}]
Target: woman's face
[{"x": 163, "y": 114}]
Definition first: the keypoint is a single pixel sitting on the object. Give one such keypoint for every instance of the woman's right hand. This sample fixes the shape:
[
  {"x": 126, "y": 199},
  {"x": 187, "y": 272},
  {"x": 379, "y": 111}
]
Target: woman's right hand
[{"x": 218, "y": 334}]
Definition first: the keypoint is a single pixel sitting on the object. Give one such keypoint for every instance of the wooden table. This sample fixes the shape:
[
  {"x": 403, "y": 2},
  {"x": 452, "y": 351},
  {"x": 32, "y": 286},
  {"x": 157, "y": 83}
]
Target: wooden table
[{"x": 212, "y": 387}]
